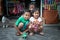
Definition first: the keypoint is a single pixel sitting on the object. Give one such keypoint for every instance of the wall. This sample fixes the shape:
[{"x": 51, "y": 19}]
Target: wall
[
  {"x": 0, "y": 7},
  {"x": 58, "y": 8}
]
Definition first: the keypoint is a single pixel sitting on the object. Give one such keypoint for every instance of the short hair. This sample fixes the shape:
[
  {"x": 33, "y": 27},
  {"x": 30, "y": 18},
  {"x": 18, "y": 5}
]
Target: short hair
[
  {"x": 32, "y": 4},
  {"x": 26, "y": 10},
  {"x": 37, "y": 9}
]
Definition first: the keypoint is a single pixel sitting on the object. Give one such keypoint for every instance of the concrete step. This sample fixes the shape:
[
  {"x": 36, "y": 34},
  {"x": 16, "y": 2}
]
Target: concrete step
[{"x": 51, "y": 24}]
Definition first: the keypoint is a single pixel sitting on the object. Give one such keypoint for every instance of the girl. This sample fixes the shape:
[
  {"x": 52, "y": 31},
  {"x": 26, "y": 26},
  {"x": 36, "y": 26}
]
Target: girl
[{"x": 36, "y": 23}]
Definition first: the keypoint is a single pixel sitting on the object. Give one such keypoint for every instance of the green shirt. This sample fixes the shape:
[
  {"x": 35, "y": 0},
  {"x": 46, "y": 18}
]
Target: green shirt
[{"x": 21, "y": 19}]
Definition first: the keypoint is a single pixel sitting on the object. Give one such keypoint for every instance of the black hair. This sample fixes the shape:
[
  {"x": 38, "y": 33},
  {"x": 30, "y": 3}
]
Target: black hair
[
  {"x": 26, "y": 10},
  {"x": 32, "y": 4},
  {"x": 37, "y": 9}
]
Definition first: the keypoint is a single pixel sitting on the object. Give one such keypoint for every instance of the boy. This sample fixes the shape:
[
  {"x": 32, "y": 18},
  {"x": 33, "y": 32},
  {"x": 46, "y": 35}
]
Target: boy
[
  {"x": 32, "y": 8},
  {"x": 22, "y": 23}
]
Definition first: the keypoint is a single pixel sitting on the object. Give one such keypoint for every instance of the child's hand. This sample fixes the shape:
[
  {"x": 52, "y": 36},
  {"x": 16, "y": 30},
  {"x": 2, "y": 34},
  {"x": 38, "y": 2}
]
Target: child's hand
[
  {"x": 29, "y": 26},
  {"x": 21, "y": 33},
  {"x": 38, "y": 23}
]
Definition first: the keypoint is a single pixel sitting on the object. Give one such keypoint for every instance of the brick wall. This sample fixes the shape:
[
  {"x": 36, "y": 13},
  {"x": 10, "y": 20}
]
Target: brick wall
[
  {"x": 51, "y": 16},
  {"x": 58, "y": 8}
]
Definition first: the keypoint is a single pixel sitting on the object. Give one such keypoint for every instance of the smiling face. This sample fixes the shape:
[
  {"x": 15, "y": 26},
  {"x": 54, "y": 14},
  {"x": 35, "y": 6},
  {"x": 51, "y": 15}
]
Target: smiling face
[
  {"x": 27, "y": 15},
  {"x": 36, "y": 14}
]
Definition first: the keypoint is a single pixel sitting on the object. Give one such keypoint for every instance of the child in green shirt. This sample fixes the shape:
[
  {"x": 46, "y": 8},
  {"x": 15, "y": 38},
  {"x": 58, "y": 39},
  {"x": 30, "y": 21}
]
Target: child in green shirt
[{"x": 22, "y": 23}]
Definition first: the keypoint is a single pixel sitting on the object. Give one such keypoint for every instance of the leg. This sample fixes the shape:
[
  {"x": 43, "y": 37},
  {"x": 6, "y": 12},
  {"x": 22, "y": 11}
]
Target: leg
[
  {"x": 31, "y": 32},
  {"x": 40, "y": 29},
  {"x": 18, "y": 28},
  {"x": 3, "y": 25},
  {"x": 7, "y": 24}
]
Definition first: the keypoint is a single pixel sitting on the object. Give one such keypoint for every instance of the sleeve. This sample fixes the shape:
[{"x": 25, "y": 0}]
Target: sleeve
[
  {"x": 31, "y": 19},
  {"x": 18, "y": 21},
  {"x": 39, "y": 19}
]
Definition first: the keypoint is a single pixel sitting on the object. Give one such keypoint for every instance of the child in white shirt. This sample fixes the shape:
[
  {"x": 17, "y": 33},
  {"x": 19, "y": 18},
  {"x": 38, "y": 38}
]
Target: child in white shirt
[{"x": 36, "y": 23}]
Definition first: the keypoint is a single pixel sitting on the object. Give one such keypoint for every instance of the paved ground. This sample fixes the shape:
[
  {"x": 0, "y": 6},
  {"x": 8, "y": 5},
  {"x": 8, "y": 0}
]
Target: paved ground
[{"x": 51, "y": 33}]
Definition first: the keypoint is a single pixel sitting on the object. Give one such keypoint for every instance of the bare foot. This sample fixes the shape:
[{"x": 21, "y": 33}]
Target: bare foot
[
  {"x": 31, "y": 34},
  {"x": 41, "y": 33},
  {"x": 17, "y": 34}
]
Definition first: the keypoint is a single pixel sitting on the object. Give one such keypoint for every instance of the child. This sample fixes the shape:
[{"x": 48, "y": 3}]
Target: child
[
  {"x": 5, "y": 21},
  {"x": 22, "y": 23},
  {"x": 31, "y": 8},
  {"x": 35, "y": 23}
]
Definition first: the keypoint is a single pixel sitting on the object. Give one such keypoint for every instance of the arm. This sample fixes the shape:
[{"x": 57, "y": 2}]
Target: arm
[
  {"x": 40, "y": 21},
  {"x": 18, "y": 21},
  {"x": 27, "y": 27},
  {"x": 16, "y": 25},
  {"x": 26, "y": 30},
  {"x": 17, "y": 29}
]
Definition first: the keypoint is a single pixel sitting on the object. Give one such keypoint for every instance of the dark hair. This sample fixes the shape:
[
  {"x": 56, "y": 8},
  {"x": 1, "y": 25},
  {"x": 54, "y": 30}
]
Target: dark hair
[
  {"x": 32, "y": 4},
  {"x": 37, "y": 9},
  {"x": 26, "y": 10}
]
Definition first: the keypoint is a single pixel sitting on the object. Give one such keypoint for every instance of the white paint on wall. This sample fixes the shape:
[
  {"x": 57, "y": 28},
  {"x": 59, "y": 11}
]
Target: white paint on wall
[{"x": 41, "y": 9}]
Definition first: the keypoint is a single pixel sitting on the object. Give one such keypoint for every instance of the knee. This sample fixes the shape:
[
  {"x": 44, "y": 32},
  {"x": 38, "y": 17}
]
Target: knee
[
  {"x": 20, "y": 25},
  {"x": 41, "y": 26},
  {"x": 32, "y": 28}
]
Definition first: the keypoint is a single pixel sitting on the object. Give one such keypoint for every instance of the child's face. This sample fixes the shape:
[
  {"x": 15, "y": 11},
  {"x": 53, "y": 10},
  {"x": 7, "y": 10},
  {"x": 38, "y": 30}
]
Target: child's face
[
  {"x": 27, "y": 15},
  {"x": 36, "y": 14},
  {"x": 32, "y": 6}
]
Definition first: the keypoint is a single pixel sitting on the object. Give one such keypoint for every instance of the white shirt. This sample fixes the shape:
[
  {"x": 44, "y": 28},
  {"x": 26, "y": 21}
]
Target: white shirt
[
  {"x": 3, "y": 19},
  {"x": 32, "y": 19}
]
